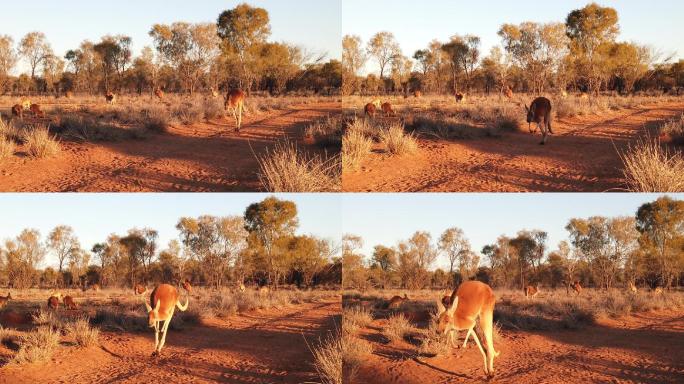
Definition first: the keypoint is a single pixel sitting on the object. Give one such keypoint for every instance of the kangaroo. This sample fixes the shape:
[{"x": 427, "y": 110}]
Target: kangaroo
[
  {"x": 369, "y": 110},
  {"x": 4, "y": 300},
  {"x": 387, "y": 109},
  {"x": 539, "y": 112}
]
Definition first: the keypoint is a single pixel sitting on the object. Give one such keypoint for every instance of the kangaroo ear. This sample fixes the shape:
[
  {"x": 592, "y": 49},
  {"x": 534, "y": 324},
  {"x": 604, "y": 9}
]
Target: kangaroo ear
[{"x": 440, "y": 307}]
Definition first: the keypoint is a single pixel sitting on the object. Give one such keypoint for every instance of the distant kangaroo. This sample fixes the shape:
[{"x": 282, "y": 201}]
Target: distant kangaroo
[
  {"x": 18, "y": 110},
  {"x": 369, "y": 110},
  {"x": 539, "y": 112},
  {"x": 396, "y": 301},
  {"x": 387, "y": 109},
  {"x": 235, "y": 100},
  {"x": 4, "y": 300}
]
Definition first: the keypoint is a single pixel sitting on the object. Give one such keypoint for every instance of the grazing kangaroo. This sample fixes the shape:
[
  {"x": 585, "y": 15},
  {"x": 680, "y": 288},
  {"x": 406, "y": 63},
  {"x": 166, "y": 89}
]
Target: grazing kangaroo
[
  {"x": 4, "y": 300},
  {"x": 69, "y": 303},
  {"x": 387, "y": 109},
  {"x": 369, "y": 110},
  {"x": 18, "y": 110},
  {"x": 165, "y": 299},
  {"x": 396, "y": 301},
  {"x": 110, "y": 97},
  {"x": 235, "y": 99},
  {"x": 531, "y": 291},
  {"x": 471, "y": 300},
  {"x": 539, "y": 112},
  {"x": 53, "y": 301},
  {"x": 36, "y": 111}
]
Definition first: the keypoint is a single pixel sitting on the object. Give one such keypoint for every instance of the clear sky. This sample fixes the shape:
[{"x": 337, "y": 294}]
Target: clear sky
[
  {"x": 312, "y": 24},
  {"x": 415, "y": 23},
  {"x": 95, "y": 216},
  {"x": 389, "y": 218}
]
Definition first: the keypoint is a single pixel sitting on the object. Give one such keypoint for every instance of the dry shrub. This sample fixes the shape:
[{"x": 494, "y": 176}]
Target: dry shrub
[
  {"x": 10, "y": 131},
  {"x": 444, "y": 127},
  {"x": 354, "y": 318},
  {"x": 7, "y": 148},
  {"x": 328, "y": 359},
  {"x": 565, "y": 108},
  {"x": 83, "y": 333},
  {"x": 37, "y": 346},
  {"x": 397, "y": 328},
  {"x": 648, "y": 167},
  {"x": 397, "y": 142},
  {"x": 673, "y": 130},
  {"x": 40, "y": 144},
  {"x": 433, "y": 342},
  {"x": 365, "y": 127},
  {"x": 213, "y": 109},
  {"x": 326, "y": 132},
  {"x": 355, "y": 147},
  {"x": 156, "y": 120},
  {"x": 285, "y": 169},
  {"x": 189, "y": 112}
]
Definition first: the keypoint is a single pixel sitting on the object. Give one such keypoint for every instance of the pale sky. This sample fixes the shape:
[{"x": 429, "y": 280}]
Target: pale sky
[
  {"x": 312, "y": 24},
  {"x": 657, "y": 23},
  {"x": 389, "y": 218},
  {"x": 94, "y": 216}
]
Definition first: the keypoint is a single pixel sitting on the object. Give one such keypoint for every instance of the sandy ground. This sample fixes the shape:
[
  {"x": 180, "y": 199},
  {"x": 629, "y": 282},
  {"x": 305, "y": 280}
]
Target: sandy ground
[
  {"x": 199, "y": 158},
  {"x": 259, "y": 347},
  {"x": 641, "y": 348},
  {"x": 583, "y": 155}
]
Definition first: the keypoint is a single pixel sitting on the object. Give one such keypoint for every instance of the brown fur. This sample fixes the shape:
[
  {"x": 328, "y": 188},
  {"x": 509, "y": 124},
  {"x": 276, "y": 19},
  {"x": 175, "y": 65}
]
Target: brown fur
[
  {"x": 186, "y": 285},
  {"x": 95, "y": 287},
  {"x": 36, "y": 111},
  {"x": 459, "y": 97},
  {"x": 471, "y": 300},
  {"x": 417, "y": 94},
  {"x": 5, "y": 299},
  {"x": 508, "y": 92},
  {"x": 69, "y": 94},
  {"x": 531, "y": 291},
  {"x": 163, "y": 302},
  {"x": 159, "y": 93},
  {"x": 18, "y": 110},
  {"x": 235, "y": 99},
  {"x": 539, "y": 112},
  {"x": 69, "y": 302},
  {"x": 110, "y": 97},
  {"x": 53, "y": 302},
  {"x": 396, "y": 301},
  {"x": 387, "y": 109},
  {"x": 576, "y": 287},
  {"x": 369, "y": 110}
]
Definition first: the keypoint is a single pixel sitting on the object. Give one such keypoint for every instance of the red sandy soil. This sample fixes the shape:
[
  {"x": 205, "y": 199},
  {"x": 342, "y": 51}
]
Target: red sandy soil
[
  {"x": 583, "y": 155},
  {"x": 206, "y": 157},
  {"x": 641, "y": 348},
  {"x": 260, "y": 347}
]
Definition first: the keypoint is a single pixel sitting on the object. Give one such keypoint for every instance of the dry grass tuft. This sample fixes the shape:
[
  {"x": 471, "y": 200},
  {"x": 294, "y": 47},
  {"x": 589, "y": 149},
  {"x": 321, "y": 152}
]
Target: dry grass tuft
[
  {"x": 83, "y": 333},
  {"x": 326, "y": 132},
  {"x": 397, "y": 142},
  {"x": 7, "y": 148},
  {"x": 673, "y": 130},
  {"x": 648, "y": 167},
  {"x": 40, "y": 144},
  {"x": 328, "y": 359},
  {"x": 37, "y": 346},
  {"x": 355, "y": 147},
  {"x": 285, "y": 169},
  {"x": 354, "y": 318},
  {"x": 397, "y": 328}
]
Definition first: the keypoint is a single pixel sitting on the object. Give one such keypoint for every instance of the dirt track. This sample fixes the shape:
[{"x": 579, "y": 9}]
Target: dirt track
[
  {"x": 199, "y": 158},
  {"x": 262, "y": 347},
  {"x": 643, "y": 348},
  {"x": 583, "y": 155}
]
